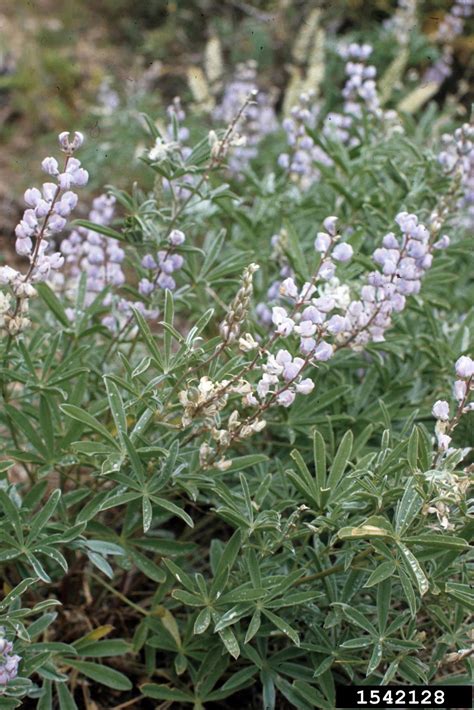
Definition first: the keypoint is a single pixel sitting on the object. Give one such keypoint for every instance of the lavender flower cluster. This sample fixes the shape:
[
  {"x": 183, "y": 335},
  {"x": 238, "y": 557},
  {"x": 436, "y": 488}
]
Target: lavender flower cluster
[
  {"x": 100, "y": 258},
  {"x": 360, "y": 91},
  {"x": 310, "y": 318},
  {"x": 161, "y": 267},
  {"x": 441, "y": 410},
  {"x": 97, "y": 256},
  {"x": 301, "y": 161},
  {"x": 256, "y": 122},
  {"x": 403, "y": 21},
  {"x": 46, "y": 216},
  {"x": 457, "y": 159},
  {"x": 451, "y": 26},
  {"x": 324, "y": 323},
  {"x": 360, "y": 96},
  {"x": 403, "y": 262},
  {"x": 8, "y": 662}
]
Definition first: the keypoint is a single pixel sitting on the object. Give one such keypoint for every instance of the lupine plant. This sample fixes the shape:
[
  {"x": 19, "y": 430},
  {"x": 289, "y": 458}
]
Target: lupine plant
[{"x": 236, "y": 422}]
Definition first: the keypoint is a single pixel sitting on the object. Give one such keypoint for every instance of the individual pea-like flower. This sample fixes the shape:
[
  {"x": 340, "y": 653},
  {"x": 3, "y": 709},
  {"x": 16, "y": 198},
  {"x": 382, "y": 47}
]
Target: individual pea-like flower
[
  {"x": 464, "y": 367},
  {"x": 323, "y": 351},
  {"x": 69, "y": 145},
  {"x": 459, "y": 390},
  {"x": 342, "y": 252},
  {"x": 280, "y": 318},
  {"x": 322, "y": 242},
  {"x": 441, "y": 410},
  {"x": 176, "y": 237}
]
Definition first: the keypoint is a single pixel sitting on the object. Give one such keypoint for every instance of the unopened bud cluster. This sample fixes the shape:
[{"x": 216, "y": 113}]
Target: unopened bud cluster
[{"x": 231, "y": 325}]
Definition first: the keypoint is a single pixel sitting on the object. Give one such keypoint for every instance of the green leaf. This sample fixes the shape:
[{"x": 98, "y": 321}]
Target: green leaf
[
  {"x": 254, "y": 626},
  {"x": 384, "y": 596},
  {"x": 41, "y": 518},
  {"x": 116, "y": 406},
  {"x": 16, "y": 592},
  {"x": 283, "y": 626},
  {"x": 230, "y": 642},
  {"x": 462, "y": 593},
  {"x": 12, "y": 514},
  {"x": 357, "y": 618},
  {"x": 23, "y": 423},
  {"x": 383, "y": 571},
  {"x": 375, "y": 658},
  {"x": 47, "y": 425},
  {"x": 295, "y": 253},
  {"x": 319, "y": 452},
  {"x": 374, "y": 527},
  {"x": 82, "y": 416},
  {"x": 104, "y": 649},
  {"x": 436, "y": 541},
  {"x": 168, "y": 318},
  {"x": 99, "y": 228},
  {"x": 407, "y": 508},
  {"x": 66, "y": 701},
  {"x": 414, "y": 568},
  {"x": 172, "y": 508},
  {"x": 102, "y": 674},
  {"x": 135, "y": 461},
  {"x": 229, "y": 556},
  {"x": 148, "y": 339},
  {"x": 202, "y": 622},
  {"x": 408, "y": 591},
  {"x": 148, "y": 567},
  {"x": 147, "y": 513},
  {"x": 187, "y": 597},
  {"x": 304, "y": 481},
  {"x": 340, "y": 461},
  {"x": 412, "y": 449},
  {"x": 164, "y": 692},
  {"x": 53, "y": 303}
]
